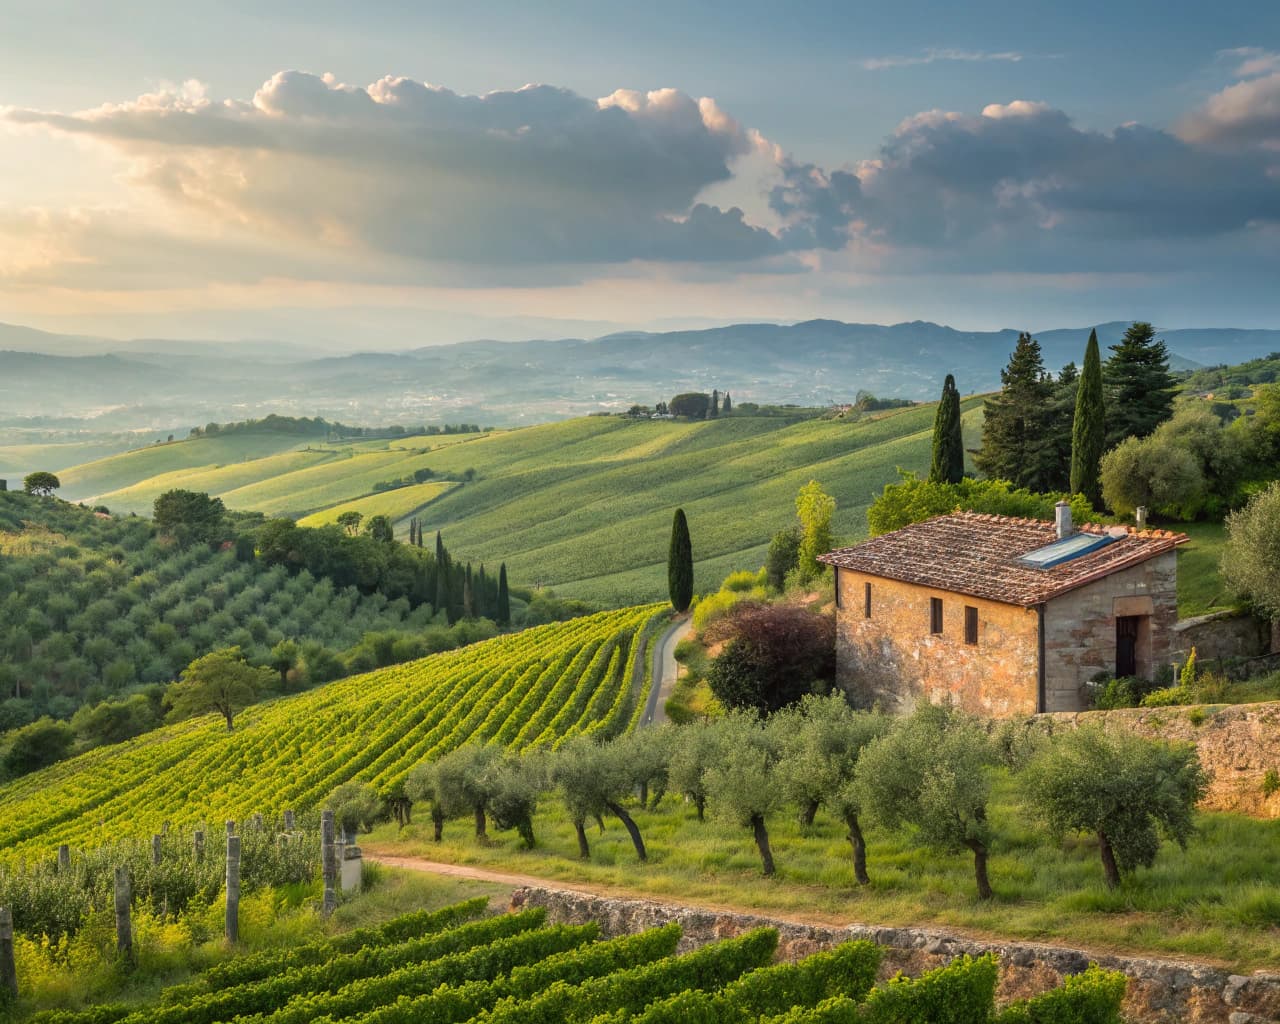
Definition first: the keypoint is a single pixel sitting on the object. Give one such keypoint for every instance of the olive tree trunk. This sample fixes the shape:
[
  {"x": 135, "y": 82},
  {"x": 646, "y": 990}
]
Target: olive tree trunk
[
  {"x": 620, "y": 812},
  {"x": 1109, "y": 866},
  {"x": 584, "y": 849},
  {"x": 762, "y": 842},
  {"x": 859, "y": 849}
]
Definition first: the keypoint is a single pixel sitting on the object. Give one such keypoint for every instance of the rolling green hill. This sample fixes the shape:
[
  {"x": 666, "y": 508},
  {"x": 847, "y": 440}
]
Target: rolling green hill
[
  {"x": 581, "y": 505},
  {"x": 398, "y": 504}
]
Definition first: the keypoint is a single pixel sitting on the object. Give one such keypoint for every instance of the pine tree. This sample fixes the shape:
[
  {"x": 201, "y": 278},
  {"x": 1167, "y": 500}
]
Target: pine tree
[
  {"x": 1089, "y": 428},
  {"x": 503, "y": 615},
  {"x": 727, "y": 406},
  {"x": 948, "y": 442},
  {"x": 1138, "y": 383},
  {"x": 680, "y": 564},
  {"x": 1017, "y": 444}
]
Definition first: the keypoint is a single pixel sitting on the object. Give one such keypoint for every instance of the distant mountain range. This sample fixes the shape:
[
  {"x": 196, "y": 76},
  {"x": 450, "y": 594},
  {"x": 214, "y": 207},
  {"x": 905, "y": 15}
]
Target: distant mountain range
[{"x": 97, "y": 383}]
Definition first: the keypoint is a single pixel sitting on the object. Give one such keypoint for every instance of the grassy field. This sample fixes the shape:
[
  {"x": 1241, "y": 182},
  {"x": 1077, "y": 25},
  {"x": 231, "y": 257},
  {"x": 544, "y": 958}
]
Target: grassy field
[
  {"x": 398, "y": 504},
  {"x": 1200, "y": 585},
  {"x": 128, "y": 468},
  {"x": 583, "y": 505},
  {"x": 1219, "y": 901}
]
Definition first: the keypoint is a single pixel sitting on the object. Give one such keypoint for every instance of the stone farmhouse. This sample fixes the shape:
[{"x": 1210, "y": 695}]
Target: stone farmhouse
[{"x": 1001, "y": 616}]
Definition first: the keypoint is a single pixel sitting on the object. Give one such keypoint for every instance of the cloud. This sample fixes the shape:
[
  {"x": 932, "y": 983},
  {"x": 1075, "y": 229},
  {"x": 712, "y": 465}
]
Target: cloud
[
  {"x": 1246, "y": 114},
  {"x": 534, "y": 175},
  {"x": 933, "y": 56},
  {"x": 1251, "y": 60},
  {"x": 1021, "y": 183}
]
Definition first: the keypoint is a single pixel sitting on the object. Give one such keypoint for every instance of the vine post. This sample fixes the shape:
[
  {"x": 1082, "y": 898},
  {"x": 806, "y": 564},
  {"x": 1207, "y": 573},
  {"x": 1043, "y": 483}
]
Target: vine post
[
  {"x": 197, "y": 841},
  {"x": 156, "y": 843},
  {"x": 124, "y": 923},
  {"x": 64, "y": 858},
  {"x": 328, "y": 858},
  {"x": 233, "y": 889},
  {"x": 8, "y": 969}
]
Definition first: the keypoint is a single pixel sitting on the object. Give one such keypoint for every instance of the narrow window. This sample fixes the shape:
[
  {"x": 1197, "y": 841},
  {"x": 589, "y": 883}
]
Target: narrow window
[
  {"x": 866, "y": 600},
  {"x": 970, "y": 624},
  {"x": 935, "y": 615},
  {"x": 836, "y": 573}
]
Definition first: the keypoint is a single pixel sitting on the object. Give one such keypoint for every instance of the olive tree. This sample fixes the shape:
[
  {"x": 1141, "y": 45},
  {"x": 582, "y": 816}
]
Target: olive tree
[
  {"x": 741, "y": 783},
  {"x": 1127, "y": 790},
  {"x": 464, "y": 782},
  {"x": 697, "y": 748},
  {"x": 42, "y": 484},
  {"x": 593, "y": 778},
  {"x": 514, "y": 785},
  {"x": 931, "y": 773},
  {"x": 1251, "y": 558},
  {"x": 647, "y": 756},
  {"x": 420, "y": 787},
  {"x": 221, "y": 681},
  {"x": 822, "y": 739},
  {"x": 355, "y": 805}
]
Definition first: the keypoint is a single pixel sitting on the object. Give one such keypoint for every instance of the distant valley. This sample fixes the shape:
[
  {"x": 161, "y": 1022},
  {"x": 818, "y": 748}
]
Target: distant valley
[{"x": 78, "y": 384}]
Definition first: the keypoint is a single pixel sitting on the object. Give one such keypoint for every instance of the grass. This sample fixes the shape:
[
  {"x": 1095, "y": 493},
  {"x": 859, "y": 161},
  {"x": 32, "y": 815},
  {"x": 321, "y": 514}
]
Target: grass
[
  {"x": 1218, "y": 901},
  {"x": 1201, "y": 588},
  {"x": 171, "y": 953},
  {"x": 128, "y": 468},
  {"x": 399, "y": 504},
  {"x": 582, "y": 505}
]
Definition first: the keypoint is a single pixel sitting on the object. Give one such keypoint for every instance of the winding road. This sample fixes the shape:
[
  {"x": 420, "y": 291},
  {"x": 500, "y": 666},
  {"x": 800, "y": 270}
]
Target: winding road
[{"x": 665, "y": 670}]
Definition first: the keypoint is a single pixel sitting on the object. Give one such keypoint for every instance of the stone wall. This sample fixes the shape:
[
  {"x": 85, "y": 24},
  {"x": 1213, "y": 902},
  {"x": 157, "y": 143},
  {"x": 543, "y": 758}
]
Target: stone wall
[
  {"x": 1160, "y": 991},
  {"x": 1080, "y": 629},
  {"x": 1222, "y": 636},
  {"x": 1237, "y": 743},
  {"x": 892, "y": 657}
]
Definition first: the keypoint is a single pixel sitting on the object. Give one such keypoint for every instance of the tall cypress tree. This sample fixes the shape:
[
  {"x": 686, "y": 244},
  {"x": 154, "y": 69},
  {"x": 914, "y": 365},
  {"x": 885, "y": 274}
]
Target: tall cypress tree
[
  {"x": 443, "y": 582},
  {"x": 1017, "y": 442},
  {"x": 1089, "y": 428},
  {"x": 1139, "y": 385},
  {"x": 680, "y": 564},
  {"x": 503, "y": 615},
  {"x": 726, "y": 406},
  {"x": 468, "y": 595},
  {"x": 419, "y": 523},
  {"x": 948, "y": 443}
]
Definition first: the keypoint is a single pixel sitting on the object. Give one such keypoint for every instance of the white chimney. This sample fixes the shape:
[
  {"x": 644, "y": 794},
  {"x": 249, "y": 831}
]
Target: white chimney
[
  {"x": 1140, "y": 516},
  {"x": 1062, "y": 520}
]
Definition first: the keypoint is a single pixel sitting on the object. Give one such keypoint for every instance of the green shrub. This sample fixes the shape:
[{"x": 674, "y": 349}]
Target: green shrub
[
  {"x": 1167, "y": 697},
  {"x": 1270, "y": 782},
  {"x": 963, "y": 992},
  {"x": 1093, "y": 997},
  {"x": 1196, "y": 716}
]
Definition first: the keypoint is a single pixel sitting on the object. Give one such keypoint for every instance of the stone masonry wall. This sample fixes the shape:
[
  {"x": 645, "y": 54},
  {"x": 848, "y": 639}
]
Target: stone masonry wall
[
  {"x": 1237, "y": 743},
  {"x": 893, "y": 658},
  {"x": 1160, "y": 991},
  {"x": 1222, "y": 635},
  {"x": 1080, "y": 629}
]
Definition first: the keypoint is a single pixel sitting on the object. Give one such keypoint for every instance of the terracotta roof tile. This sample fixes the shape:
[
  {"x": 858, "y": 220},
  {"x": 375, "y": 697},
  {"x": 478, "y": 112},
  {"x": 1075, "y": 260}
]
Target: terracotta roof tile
[{"x": 977, "y": 554}]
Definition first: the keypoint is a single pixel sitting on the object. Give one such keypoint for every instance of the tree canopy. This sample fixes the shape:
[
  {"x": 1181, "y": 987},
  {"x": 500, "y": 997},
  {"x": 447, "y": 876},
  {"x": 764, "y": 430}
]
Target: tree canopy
[
  {"x": 948, "y": 441},
  {"x": 1139, "y": 386},
  {"x": 190, "y": 517},
  {"x": 1089, "y": 427},
  {"x": 680, "y": 563},
  {"x": 42, "y": 484},
  {"x": 221, "y": 681},
  {"x": 1251, "y": 557},
  {"x": 1017, "y": 444}
]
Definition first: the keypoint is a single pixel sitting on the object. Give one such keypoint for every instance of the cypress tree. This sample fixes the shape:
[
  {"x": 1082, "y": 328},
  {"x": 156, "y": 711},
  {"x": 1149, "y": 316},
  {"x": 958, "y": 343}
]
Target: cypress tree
[
  {"x": 468, "y": 595},
  {"x": 726, "y": 406},
  {"x": 948, "y": 443},
  {"x": 1017, "y": 442},
  {"x": 439, "y": 547},
  {"x": 680, "y": 564},
  {"x": 1089, "y": 428},
  {"x": 1139, "y": 385},
  {"x": 441, "y": 603},
  {"x": 419, "y": 524},
  {"x": 504, "y": 597},
  {"x": 479, "y": 597}
]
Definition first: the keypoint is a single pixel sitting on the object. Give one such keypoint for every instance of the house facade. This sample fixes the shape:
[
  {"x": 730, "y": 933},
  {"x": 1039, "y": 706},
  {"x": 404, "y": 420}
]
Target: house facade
[{"x": 1003, "y": 617}]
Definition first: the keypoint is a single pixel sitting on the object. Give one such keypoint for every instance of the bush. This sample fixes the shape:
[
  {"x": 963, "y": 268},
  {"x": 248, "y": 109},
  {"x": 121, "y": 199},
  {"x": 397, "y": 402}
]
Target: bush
[
  {"x": 1167, "y": 697},
  {"x": 773, "y": 655},
  {"x": 1093, "y": 997},
  {"x": 913, "y": 500}
]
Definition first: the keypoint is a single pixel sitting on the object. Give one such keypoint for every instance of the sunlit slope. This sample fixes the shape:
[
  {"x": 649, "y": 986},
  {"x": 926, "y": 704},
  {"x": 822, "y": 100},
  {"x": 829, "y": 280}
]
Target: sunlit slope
[
  {"x": 91, "y": 479},
  {"x": 525, "y": 689},
  {"x": 398, "y": 504},
  {"x": 586, "y": 506}
]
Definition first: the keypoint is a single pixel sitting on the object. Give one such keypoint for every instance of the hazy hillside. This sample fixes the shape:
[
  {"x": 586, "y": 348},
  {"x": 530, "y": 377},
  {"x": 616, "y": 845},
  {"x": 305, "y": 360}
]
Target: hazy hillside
[
  {"x": 173, "y": 385},
  {"x": 582, "y": 505}
]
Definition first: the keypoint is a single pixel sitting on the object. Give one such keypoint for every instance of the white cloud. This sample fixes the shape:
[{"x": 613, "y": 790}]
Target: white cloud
[
  {"x": 933, "y": 56},
  {"x": 1244, "y": 114}
]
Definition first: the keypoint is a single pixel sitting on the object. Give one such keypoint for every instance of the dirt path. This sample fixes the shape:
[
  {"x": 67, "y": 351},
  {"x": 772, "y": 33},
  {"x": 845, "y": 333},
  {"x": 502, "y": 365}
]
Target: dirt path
[
  {"x": 665, "y": 671},
  {"x": 436, "y": 867}
]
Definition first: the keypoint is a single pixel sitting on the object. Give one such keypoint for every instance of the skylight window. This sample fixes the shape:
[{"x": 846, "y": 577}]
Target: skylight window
[{"x": 1069, "y": 548}]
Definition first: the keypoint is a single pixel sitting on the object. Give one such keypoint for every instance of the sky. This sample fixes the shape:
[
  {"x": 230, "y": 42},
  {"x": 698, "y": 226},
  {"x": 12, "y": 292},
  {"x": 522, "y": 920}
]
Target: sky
[{"x": 393, "y": 175}]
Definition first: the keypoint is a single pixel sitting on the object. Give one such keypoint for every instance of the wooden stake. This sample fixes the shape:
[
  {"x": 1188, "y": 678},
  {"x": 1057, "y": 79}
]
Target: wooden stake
[
  {"x": 124, "y": 924},
  {"x": 233, "y": 889},
  {"x": 8, "y": 969},
  {"x": 155, "y": 849},
  {"x": 329, "y": 860},
  {"x": 198, "y": 842},
  {"x": 64, "y": 858}
]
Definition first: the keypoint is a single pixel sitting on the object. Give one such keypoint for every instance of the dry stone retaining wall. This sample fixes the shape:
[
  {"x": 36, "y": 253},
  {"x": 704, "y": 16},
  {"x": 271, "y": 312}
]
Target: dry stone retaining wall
[
  {"x": 1237, "y": 743},
  {"x": 1160, "y": 991}
]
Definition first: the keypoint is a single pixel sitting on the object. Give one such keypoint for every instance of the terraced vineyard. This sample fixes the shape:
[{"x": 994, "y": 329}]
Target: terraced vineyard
[
  {"x": 397, "y": 505},
  {"x": 535, "y": 688},
  {"x": 453, "y": 966}
]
